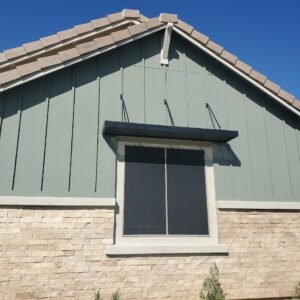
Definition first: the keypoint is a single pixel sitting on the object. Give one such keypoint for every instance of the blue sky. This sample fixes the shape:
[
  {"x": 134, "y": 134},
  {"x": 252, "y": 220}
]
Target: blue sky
[{"x": 263, "y": 33}]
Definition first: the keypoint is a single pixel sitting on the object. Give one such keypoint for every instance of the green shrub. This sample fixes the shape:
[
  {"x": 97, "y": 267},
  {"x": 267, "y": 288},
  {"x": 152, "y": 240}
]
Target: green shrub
[
  {"x": 98, "y": 295},
  {"x": 211, "y": 289},
  {"x": 296, "y": 292},
  {"x": 116, "y": 295}
]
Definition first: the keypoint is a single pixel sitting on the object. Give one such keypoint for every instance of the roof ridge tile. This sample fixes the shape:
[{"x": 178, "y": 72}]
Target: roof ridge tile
[
  {"x": 242, "y": 66},
  {"x": 168, "y": 18},
  {"x": 286, "y": 96},
  {"x": 270, "y": 85},
  {"x": 154, "y": 22},
  {"x": 214, "y": 47},
  {"x": 121, "y": 35},
  {"x": 130, "y": 13},
  {"x": 137, "y": 29},
  {"x": 101, "y": 22},
  {"x": 84, "y": 28},
  {"x": 115, "y": 17},
  {"x": 14, "y": 52},
  {"x": 200, "y": 37}
]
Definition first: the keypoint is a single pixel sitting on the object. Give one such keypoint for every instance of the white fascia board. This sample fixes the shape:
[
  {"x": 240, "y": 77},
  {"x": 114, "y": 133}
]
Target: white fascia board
[
  {"x": 234, "y": 69},
  {"x": 263, "y": 205},
  {"x": 56, "y": 201},
  {"x": 164, "y": 55},
  {"x": 166, "y": 249},
  {"x": 79, "y": 59}
]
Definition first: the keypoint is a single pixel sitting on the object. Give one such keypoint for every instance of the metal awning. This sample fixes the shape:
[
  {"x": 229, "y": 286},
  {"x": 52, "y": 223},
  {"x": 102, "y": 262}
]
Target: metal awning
[{"x": 113, "y": 128}]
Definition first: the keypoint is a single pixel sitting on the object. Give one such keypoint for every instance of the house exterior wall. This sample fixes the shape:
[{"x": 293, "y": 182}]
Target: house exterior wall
[
  {"x": 60, "y": 254},
  {"x": 51, "y": 142},
  {"x": 51, "y": 146}
]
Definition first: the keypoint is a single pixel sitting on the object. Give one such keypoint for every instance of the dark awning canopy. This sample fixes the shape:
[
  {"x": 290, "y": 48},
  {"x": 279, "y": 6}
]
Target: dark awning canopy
[{"x": 168, "y": 132}]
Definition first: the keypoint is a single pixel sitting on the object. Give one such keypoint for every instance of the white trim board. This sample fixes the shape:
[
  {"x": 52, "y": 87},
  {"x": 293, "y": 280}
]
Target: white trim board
[
  {"x": 56, "y": 201},
  {"x": 165, "y": 249},
  {"x": 231, "y": 204}
]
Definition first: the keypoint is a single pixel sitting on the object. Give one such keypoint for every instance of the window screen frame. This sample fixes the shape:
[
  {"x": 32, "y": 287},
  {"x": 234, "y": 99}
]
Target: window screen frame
[{"x": 120, "y": 238}]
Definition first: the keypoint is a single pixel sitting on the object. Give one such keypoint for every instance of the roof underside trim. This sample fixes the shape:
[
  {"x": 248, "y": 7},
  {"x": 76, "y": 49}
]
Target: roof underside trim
[{"x": 112, "y": 128}]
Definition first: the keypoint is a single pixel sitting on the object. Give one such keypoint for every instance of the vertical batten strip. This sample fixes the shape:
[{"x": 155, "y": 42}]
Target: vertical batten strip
[
  {"x": 144, "y": 80},
  {"x": 18, "y": 135},
  {"x": 46, "y": 129},
  {"x": 1, "y": 112},
  {"x": 73, "y": 117},
  {"x": 165, "y": 93},
  {"x": 288, "y": 155},
  {"x": 268, "y": 146},
  {"x": 186, "y": 90},
  {"x": 248, "y": 141},
  {"x": 123, "y": 109},
  {"x": 98, "y": 121}
]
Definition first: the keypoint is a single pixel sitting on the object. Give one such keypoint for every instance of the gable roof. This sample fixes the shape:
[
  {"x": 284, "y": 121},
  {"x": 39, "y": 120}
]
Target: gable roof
[{"x": 35, "y": 59}]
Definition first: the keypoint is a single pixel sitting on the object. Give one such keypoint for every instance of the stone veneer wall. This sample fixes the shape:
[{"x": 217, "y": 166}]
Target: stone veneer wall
[{"x": 60, "y": 254}]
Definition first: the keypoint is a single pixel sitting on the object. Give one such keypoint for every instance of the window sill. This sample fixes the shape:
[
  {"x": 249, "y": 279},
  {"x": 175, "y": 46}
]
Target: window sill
[{"x": 165, "y": 249}]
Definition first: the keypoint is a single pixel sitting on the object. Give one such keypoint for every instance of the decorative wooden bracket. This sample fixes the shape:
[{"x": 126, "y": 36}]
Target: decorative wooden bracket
[{"x": 164, "y": 56}]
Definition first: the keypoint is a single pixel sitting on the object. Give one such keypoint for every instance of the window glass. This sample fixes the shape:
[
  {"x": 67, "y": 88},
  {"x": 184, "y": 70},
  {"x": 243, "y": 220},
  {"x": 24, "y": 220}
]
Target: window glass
[
  {"x": 186, "y": 193},
  {"x": 144, "y": 207}
]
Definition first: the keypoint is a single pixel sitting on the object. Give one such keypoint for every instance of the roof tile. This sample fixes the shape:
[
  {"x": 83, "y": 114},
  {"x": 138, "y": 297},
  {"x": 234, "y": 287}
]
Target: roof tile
[
  {"x": 168, "y": 18},
  {"x": 104, "y": 41},
  {"x": 137, "y": 29},
  {"x": 229, "y": 57},
  {"x": 15, "y": 52},
  {"x": 83, "y": 28},
  {"x": 243, "y": 66},
  {"x": 258, "y": 76},
  {"x": 296, "y": 104},
  {"x": 33, "y": 46},
  {"x": 67, "y": 34},
  {"x": 143, "y": 18},
  {"x": 50, "y": 40},
  {"x": 115, "y": 17},
  {"x": 28, "y": 68},
  {"x": 49, "y": 61},
  {"x": 286, "y": 96},
  {"x": 100, "y": 22},
  {"x": 272, "y": 86},
  {"x": 121, "y": 35},
  {"x": 8, "y": 76},
  {"x": 153, "y": 23},
  {"x": 130, "y": 13},
  {"x": 200, "y": 37},
  {"x": 68, "y": 54},
  {"x": 3, "y": 58},
  {"x": 214, "y": 47},
  {"x": 86, "y": 47},
  {"x": 184, "y": 27}
]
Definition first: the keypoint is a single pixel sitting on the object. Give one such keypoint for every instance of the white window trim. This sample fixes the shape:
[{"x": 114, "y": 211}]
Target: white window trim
[{"x": 166, "y": 244}]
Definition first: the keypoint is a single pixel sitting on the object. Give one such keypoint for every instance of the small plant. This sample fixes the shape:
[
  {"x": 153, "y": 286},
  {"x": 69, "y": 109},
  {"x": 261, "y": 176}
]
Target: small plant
[
  {"x": 211, "y": 289},
  {"x": 98, "y": 295},
  {"x": 296, "y": 292},
  {"x": 116, "y": 295}
]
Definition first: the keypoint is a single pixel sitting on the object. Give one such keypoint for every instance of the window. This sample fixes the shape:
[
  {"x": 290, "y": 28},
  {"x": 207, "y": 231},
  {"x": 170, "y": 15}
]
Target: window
[
  {"x": 164, "y": 192},
  {"x": 165, "y": 198}
]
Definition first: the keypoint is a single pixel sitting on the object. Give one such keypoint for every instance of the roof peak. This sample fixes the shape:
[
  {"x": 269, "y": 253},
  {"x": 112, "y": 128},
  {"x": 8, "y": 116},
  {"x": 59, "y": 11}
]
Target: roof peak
[{"x": 24, "y": 63}]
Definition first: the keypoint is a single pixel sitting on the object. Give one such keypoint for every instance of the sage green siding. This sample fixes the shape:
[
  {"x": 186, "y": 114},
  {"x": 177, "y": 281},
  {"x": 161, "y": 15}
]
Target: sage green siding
[{"x": 51, "y": 142}]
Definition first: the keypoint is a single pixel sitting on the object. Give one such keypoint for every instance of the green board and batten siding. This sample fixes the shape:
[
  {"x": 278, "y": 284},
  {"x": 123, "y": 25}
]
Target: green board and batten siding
[{"x": 51, "y": 142}]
